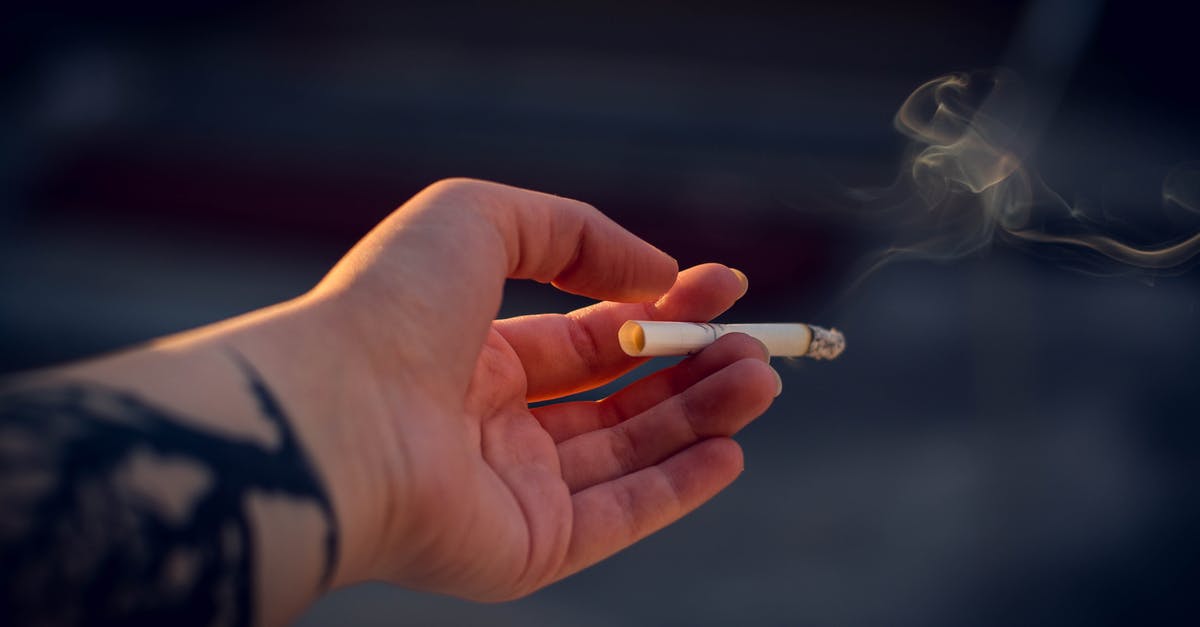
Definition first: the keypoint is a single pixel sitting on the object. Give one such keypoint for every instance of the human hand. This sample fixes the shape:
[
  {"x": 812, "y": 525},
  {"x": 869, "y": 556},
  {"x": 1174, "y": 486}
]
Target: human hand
[{"x": 484, "y": 497}]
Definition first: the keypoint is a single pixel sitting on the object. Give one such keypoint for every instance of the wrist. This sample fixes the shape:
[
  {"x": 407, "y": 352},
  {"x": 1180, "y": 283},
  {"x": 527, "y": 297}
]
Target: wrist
[
  {"x": 328, "y": 393},
  {"x": 276, "y": 426}
]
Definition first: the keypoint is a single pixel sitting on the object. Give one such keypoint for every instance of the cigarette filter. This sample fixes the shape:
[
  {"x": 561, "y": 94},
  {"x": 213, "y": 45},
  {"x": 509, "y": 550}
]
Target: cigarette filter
[{"x": 643, "y": 338}]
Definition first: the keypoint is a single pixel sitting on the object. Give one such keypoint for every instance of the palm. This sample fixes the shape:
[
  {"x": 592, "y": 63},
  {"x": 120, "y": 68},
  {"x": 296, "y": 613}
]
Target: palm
[{"x": 522, "y": 496}]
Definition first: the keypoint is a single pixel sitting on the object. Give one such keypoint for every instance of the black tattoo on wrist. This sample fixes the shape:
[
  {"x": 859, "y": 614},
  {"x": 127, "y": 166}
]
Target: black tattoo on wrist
[{"x": 89, "y": 537}]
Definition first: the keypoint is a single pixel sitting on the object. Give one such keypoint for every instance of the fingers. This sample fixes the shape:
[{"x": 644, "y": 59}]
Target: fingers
[
  {"x": 717, "y": 406},
  {"x": 433, "y": 272},
  {"x": 567, "y": 420},
  {"x": 613, "y": 515},
  {"x": 569, "y": 353}
]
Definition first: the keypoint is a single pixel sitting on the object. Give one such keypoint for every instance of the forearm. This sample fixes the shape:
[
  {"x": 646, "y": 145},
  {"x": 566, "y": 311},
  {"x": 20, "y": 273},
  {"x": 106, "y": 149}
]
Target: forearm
[
  {"x": 379, "y": 426},
  {"x": 193, "y": 479}
]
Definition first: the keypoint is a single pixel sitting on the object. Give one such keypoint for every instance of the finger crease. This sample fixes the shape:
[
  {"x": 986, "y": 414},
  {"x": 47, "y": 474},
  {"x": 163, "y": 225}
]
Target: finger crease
[
  {"x": 689, "y": 414},
  {"x": 624, "y": 449},
  {"x": 576, "y": 256},
  {"x": 585, "y": 343},
  {"x": 673, "y": 488},
  {"x": 626, "y": 503}
]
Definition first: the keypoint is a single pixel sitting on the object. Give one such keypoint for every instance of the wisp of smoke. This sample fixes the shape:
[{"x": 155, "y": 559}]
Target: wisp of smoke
[{"x": 968, "y": 183}]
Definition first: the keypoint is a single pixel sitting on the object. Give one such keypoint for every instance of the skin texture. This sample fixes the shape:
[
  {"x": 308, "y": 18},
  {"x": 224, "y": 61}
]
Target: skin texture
[{"x": 410, "y": 402}]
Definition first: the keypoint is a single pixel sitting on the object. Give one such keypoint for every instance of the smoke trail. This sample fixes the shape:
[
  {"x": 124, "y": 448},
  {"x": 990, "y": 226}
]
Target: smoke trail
[
  {"x": 967, "y": 169},
  {"x": 1181, "y": 188}
]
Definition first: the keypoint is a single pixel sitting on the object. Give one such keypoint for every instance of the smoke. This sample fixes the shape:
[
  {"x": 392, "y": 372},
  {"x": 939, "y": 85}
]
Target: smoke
[
  {"x": 1181, "y": 188},
  {"x": 968, "y": 183}
]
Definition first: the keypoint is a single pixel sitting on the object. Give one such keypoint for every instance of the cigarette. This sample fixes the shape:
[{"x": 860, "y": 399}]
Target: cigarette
[{"x": 643, "y": 338}]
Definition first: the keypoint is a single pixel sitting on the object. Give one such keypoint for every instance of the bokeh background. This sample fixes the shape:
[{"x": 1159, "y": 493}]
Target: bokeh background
[{"x": 1006, "y": 441}]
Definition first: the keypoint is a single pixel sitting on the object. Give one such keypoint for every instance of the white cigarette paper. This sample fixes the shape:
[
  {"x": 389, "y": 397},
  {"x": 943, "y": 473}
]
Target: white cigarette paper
[{"x": 644, "y": 338}]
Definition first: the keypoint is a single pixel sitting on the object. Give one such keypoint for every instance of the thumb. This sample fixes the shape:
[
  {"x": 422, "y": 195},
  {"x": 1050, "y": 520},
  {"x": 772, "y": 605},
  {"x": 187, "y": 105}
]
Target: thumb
[{"x": 439, "y": 262}]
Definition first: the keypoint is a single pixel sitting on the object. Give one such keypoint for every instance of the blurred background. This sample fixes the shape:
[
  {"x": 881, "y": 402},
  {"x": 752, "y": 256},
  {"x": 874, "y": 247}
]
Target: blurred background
[{"x": 1005, "y": 442}]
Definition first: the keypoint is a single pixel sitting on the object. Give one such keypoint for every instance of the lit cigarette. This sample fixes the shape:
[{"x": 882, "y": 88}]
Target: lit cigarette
[{"x": 642, "y": 338}]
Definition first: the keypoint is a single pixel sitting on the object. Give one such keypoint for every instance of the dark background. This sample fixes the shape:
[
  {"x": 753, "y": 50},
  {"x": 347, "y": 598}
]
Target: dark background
[{"x": 1006, "y": 441}]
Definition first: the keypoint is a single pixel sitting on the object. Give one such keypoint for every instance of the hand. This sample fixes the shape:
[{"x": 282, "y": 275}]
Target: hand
[{"x": 485, "y": 497}]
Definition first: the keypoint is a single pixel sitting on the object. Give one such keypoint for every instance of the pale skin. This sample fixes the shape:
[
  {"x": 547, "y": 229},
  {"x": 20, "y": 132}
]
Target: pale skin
[{"x": 413, "y": 401}]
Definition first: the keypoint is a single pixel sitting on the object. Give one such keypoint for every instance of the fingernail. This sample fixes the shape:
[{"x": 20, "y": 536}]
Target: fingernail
[
  {"x": 778, "y": 382},
  {"x": 743, "y": 279}
]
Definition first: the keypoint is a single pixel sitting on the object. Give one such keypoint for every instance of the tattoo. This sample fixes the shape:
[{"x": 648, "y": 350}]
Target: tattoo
[{"x": 112, "y": 511}]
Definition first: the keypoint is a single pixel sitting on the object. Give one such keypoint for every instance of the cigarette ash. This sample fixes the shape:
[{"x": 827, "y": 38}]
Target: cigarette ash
[{"x": 825, "y": 343}]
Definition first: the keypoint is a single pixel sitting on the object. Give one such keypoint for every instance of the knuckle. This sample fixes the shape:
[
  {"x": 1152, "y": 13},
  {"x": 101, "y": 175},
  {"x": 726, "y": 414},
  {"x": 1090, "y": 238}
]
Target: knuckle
[
  {"x": 585, "y": 344},
  {"x": 458, "y": 191},
  {"x": 624, "y": 449},
  {"x": 585, "y": 207},
  {"x": 453, "y": 184},
  {"x": 470, "y": 200}
]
